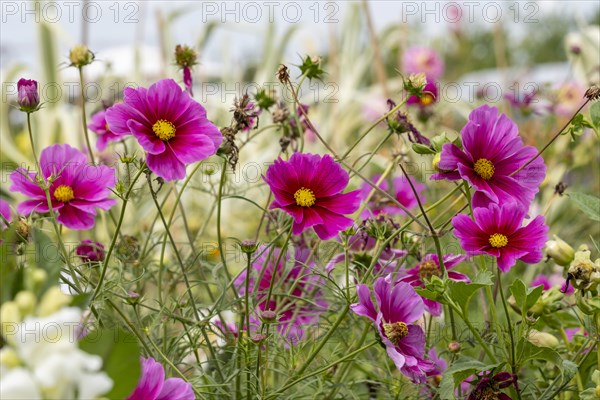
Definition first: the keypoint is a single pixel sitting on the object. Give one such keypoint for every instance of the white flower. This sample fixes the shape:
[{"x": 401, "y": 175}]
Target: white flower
[{"x": 52, "y": 365}]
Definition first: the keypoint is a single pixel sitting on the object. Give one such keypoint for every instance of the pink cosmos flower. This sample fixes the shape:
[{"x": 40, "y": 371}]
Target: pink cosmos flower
[
  {"x": 169, "y": 125},
  {"x": 5, "y": 212},
  {"x": 568, "y": 98},
  {"x": 400, "y": 189},
  {"x": 423, "y": 59},
  {"x": 489, "y": 387},
  {"x": 88, "y": 250},
  {"x": 361, "y": 247},
  {"x": 553, "y": 280},
  {"x": 430, "y": 96},
  {"x": 428, "y": 267},
  {"x": 153, "y": 386},
  {"x": 28, "y": 97},
  {"x": 99, "y": 126},
  {"x": 78, "y": 189},
  {"x": 398, "y": 307},
  {"x": 291, "y": 286},
  {"x": 498, "y": 231},
  {"x": 308, "y": 187},
  {"x": 492, "y": 151}
]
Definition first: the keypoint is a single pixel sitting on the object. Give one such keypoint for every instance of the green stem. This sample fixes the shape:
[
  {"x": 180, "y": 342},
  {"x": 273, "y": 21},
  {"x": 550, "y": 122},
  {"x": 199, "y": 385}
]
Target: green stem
[
  {"x": 41, "y": 181},
  {"x": 114, "y": 239},
  {"x": 219, "y": 239},
  {"x": 84, "y": 118},
  {"x": 323, "y": 369},
  {"x": 513, "y": 359},
  {"x": 472, "y": 329},
  {"x": 369, "y": 129}
]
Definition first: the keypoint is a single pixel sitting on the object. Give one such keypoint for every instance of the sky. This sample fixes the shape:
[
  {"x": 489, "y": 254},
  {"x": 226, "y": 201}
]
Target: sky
[{"x": 241, "y": 26}]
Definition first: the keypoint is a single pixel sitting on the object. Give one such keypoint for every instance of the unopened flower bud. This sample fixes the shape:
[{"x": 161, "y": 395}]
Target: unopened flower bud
[
  {"x": 26, "y": 301},
  {"x": 185, "y": 56},
  {"x": 542, "y": 339},
  {"x": 80, "y": 56},
  {"x": 560, "y": 251},
  {"x": 128, "y": 248},
  {"x": 28, "y": 97},
  {"x": 248, "y": 246},
  {"x": 593, "y": 93},
  {"x": 10, "y": 317},
  {"x": 268, "y": 316},
  {"x": 22, "y": 230},
  {"x": 454, "y": 347},
  {"x": 90, "y": 251},
  {"x": 258, "y": 338},
  {"x": 133, "y": 298},
  {"x": 9, "y": 357},
  {"x": 35, "y": 278},
  {"x": 52, "y": 301}
]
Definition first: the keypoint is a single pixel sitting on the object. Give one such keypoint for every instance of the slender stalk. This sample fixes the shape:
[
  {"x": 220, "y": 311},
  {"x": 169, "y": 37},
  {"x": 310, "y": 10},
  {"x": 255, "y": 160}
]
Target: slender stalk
[
  {"x": 369, "y": 129},
  {"x": 434, "y": 234},
  {"x": 114, "y": 239},
  {"x": 219, "y": 238},
  {"x": 513, "y": 359},
  {"x": 84, "y": 118},
  {"x": 539, "y": 153},
  {"x": 41, "y": 181},
  {"x": 323, "y": 369}
]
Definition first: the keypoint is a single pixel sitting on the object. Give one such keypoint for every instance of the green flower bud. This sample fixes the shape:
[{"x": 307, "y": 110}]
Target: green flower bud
[
  {"x": 52, "y": 301},
  {"x": 560, "y": 251},
  {"x": 10, "y": 317},
  {"x": 26, "y": 301},
  {"x": 80, "y": 56},
  {"x": 542, "y": 339}
]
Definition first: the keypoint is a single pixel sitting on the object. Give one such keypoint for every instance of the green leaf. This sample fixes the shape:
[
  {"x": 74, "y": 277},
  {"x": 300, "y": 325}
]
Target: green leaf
[
  {"x": 525, "y": 297},
  {"x": 589, "y": 204},
  {"x": 121, "y": 358},
  {"x": 458, "y": 372},
  {"x": 595, "y": 114},
  {"x": 422, "y": 149},
  {"x": 461, "y": 292},
  {"x": 46, "y": 255}
]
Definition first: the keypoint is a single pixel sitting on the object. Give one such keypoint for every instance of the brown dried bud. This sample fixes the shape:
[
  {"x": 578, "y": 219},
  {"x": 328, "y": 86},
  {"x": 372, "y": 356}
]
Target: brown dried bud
[
  {"x": 593, "y": 93},
  {"x": 283, "y": 74}
]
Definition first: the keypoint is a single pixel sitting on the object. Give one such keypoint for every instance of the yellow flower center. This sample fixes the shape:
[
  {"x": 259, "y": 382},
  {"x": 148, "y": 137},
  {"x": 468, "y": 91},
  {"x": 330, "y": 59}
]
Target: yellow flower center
[
  {"x": 498, "y": 240},
  {"x": 304, "y": 197},
  {"x": 427, "y": 269},
  {"x": 395, "y": 332},
  {"x": 427, "y": 99},
  {"x": 64, "y": 193},
  {"x": 164, "y": 129},
  {"x": 484, "y": 168}
]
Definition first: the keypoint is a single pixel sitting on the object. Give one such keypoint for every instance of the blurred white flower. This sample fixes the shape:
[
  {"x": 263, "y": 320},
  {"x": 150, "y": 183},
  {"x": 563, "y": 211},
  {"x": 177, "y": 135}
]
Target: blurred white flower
[
  {"x": 51, "y": 365},
  {"x": 582, "y": 50}
]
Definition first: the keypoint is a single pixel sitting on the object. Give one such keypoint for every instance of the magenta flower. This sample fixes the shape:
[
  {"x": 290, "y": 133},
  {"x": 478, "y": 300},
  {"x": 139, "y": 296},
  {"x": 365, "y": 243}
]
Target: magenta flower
[
  {"x": 428, "y": 267},
  {"x": 399, "y": 306},
  {"x": 77, "y": 190},
  {"x": 28, "y": 97},
  {"x": 169, "y": 125},
  {"x": 492, "y": 151},
  {"x": 99, "y": 126},
  {"x": 88, "y": 250},
  {"x": 400, "y": 189},
  {"x": 423, "y": 59},
  {"x": 293, "y": 284},
  {"x": 553, "y": 280},
  {"x": 5, "y": 212},
  {"x": 153, "y": 386},
  {"x": 430, "y": 96},
  {"x": 498, "y": 231},
  {"x": 308, "y": 187},
  {"x": 490, "y": 387}
]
